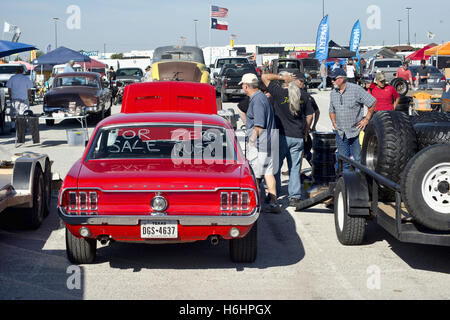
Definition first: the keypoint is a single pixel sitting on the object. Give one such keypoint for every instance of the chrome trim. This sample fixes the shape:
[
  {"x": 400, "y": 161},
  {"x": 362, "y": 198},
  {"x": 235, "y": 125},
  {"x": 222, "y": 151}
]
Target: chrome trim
[
  {"x": 186, "y": 220},
  {"x": 156, "y": 191}
]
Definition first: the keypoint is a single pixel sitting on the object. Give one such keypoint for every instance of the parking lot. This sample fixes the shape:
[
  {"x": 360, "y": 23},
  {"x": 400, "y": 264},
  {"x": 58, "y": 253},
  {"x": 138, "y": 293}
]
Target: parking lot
[{"x": 299, "y": 256}]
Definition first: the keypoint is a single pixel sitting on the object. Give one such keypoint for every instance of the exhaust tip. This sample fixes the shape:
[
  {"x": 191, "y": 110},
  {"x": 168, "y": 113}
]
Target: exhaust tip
[{"x": 214, "y": 240}]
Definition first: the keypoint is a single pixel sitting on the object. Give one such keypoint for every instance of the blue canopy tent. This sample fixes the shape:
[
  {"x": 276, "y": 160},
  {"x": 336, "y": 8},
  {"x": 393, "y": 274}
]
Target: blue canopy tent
[
  {"x": 8, "y": 48},
  {"x": 60, "y": 55}
]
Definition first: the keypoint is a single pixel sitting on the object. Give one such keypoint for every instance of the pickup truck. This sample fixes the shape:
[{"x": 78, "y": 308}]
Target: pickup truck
[
  {"x": 311, "y": 68},
  {"x": 227, "y": 82},
  {"x": 387, "y": 66},
  {"x": 220, "y": 62}
]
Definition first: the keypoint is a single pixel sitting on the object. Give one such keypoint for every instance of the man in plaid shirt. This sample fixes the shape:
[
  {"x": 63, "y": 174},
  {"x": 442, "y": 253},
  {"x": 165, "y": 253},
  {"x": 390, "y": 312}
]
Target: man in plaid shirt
[{"x": 347, "y": 102}]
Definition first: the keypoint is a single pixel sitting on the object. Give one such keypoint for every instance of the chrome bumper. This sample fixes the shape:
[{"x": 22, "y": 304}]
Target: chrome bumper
[{"x": 185, "y": 220}]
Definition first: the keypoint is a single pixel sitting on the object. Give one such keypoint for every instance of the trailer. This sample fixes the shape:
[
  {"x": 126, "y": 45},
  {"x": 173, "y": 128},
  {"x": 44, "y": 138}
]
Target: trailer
[
  {"x": 356, "y": 201},
  {"x": 25, "y": 184}
]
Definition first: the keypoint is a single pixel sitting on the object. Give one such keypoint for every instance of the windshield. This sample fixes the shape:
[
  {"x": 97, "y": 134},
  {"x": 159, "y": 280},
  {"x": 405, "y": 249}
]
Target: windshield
[
  {"x": 70, "y": 81},
  {"x": 238, "y": 71},
  {"x": 388, "y": 64},
  {"x": 310, "y": 63},
  {"x": 222, "y": 62},
  {"x": 8, "y": 69},
  {"x": 134, "y": 72},
  {"x": 176, "y": 142},
  {"x": 288, "y": 65}
]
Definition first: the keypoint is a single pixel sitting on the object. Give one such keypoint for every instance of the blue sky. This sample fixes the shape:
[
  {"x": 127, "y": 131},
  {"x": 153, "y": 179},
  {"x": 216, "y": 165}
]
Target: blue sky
[{"x": 124, "y": 25}]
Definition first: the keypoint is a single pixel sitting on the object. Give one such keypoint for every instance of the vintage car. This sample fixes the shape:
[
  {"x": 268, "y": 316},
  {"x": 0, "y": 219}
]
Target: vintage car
[
  {"x": 175, "y": 63},
  {"x": 157, "y": 177},
  {"x": 78, "y": 93}
]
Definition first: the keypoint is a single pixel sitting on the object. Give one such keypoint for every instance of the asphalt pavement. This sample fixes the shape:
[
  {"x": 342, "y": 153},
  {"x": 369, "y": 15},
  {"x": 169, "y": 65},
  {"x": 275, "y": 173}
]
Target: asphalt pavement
[{"x": 299, "y": 256}]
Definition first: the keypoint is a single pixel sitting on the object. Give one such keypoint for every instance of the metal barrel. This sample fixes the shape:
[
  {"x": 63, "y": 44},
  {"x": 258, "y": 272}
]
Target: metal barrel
[{"x": 324, "y": 157}]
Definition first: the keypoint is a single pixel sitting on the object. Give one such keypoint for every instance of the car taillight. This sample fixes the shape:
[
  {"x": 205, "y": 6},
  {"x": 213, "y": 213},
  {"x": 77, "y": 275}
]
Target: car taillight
[
  {"x": 443, "y": 79},
  {"x": 233, "y": 202},
  {"x": 80, "y": 202},
  {"x": 225, "y": 83}
]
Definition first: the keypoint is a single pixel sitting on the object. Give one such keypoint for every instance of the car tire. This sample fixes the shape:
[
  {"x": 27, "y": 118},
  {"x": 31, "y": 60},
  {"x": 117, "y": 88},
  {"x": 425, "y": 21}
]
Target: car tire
[
  {"x": 244, "y": 250},
  {"x": 429, "y": 134},
  {"x": 80, "y": 250},
  {"x": 350, "y": 230},
  {"x": 50, "y": 122},
  {"x": 400, "y": 85},
  {"x": 47, "y": 187},
  {"x": 431, "y": 116},
  {"x": 35, "y": 215},
  {"x": 389, "y": 143},
  {"x": 425, "y": 187}
]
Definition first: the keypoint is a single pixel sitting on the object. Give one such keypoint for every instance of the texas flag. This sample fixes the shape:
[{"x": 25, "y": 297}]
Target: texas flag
[{"x": 219, "y": 24}]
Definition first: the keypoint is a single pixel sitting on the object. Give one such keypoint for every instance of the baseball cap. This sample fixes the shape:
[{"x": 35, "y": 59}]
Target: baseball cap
[
  {"x": 380, "y": 77},
  {"x": 338, "y": 73},
  {"x": 299, "y": 75},
  {"x": 249, "y": 78}
]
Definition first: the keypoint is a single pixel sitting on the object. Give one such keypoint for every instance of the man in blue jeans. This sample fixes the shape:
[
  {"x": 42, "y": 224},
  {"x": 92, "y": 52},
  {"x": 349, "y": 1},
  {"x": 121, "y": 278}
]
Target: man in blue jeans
[
  {"x": 293, "y": 117},
  {"x": 323, "y": 75},
  {"x": 347, "y": 101}
]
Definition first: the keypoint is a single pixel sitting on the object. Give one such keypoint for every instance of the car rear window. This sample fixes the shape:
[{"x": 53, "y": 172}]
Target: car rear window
[
  {"x": 165, "y": 141},
  {"x": 129, "y": 72},
  {"x": 388, "y": 64},
  {"x": 238, "y": 71},
  {"x": 9, "y": 69},
  {"x": 71, "y": 81},
  {"x": 222, "y": 62}
]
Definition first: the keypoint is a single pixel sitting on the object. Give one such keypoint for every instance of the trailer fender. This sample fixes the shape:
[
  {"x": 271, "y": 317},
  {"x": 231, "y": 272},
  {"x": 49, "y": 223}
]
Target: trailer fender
[{"x": 357, "y": 191}]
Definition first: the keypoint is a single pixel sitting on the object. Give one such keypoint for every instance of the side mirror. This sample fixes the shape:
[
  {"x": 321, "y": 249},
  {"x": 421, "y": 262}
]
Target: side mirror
[{"x": 211, "y": 66}]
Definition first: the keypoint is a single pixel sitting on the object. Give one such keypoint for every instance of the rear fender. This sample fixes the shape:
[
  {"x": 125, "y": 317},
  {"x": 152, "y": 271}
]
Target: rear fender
[{"x": 357, "y": 193}]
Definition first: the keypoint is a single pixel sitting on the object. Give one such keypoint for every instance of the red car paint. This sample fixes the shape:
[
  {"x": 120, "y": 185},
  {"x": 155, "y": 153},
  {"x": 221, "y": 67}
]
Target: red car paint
[{"x": 122, "y": 188}]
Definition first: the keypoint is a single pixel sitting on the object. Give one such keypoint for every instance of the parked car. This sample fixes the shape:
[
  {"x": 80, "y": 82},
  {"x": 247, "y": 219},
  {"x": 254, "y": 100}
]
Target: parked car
[
  {"x": 227, "y": 82},
  {"x": 287, "y": 64},
  {"x": 388, "y": 66},
  {"x": 437, "y": 79},
  {"x": 311, "y": 68},
  {"x": 124, "y": 77},
  {"x": 220, "y": 62},
  {"x": 81, "y": 90},
  {"x": 175, "y": 63},
  {"x": 160, "y": 177}
]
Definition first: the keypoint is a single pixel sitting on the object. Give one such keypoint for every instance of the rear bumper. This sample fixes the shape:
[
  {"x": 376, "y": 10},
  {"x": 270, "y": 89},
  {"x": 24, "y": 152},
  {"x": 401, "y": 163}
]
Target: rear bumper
[
  {"x": 235, "y": 91},
  {"x": 185, "y": 220}
]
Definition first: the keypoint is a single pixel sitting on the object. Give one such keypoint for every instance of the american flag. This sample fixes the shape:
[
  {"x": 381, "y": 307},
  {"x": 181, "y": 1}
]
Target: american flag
[{"x": 218, "y": 12}]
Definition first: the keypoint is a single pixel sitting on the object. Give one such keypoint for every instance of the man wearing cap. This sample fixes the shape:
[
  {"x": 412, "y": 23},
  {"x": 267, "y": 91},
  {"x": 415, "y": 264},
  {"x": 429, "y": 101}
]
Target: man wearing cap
[
  {"x": 293, "y": 116},
  {"x": 19, "y": 90},
  {"x": 262, "y": 137},
  {"x": 386, "y": 95},
  {"x": 347, "y": 101},
  {"x": 147, "y": 75}
]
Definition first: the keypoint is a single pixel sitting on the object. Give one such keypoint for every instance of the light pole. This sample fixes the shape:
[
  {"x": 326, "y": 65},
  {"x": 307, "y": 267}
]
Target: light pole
[
  {"x": 399, "y": 31},
  {"x": 409, "y": 42},
  {"x": 56, "y": 32},
  {"x": 195, "y": 28},
  {"x": 323, "y": 8}
]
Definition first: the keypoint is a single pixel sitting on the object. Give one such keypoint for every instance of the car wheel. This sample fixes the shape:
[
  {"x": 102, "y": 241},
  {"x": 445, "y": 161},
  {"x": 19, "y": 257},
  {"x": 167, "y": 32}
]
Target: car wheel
[
  {"x": 425, "y": 187},
  {"x": 389, "y": 142},
  {"x": 80, "y": 250},
  {"x": 48, "y": 187},
  {"x": 35, "y": 215},
  {"x": 245, "y": 249},
  {"x": 50, "y": 122},
  {"x": 400, "y": 85},
  {"x": 350, "y": 230}
]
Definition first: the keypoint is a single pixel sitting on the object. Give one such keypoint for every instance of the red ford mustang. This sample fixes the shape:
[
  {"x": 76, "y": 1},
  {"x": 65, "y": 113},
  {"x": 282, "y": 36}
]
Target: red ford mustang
[{"x": 161, "y": 177}]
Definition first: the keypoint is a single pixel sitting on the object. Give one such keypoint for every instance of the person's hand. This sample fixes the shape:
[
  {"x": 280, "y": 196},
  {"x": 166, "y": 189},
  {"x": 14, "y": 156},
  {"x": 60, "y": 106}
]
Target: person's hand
[{"x": 362, "y": 124}]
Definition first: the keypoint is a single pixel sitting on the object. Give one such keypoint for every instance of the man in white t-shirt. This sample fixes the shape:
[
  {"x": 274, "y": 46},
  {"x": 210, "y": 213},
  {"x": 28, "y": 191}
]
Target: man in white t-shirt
[
  {"x": 350, "y": 69},
  {"x": 19, "y": 89}
]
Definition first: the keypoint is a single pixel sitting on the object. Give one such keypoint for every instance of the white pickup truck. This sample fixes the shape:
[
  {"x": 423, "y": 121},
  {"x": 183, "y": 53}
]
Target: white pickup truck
[{"x": 25, "y": 182}]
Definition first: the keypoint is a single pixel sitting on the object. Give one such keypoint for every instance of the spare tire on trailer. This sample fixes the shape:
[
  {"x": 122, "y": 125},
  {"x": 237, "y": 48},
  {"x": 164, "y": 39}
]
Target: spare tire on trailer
[
  {"x": 400, "y": 85},
  {"x": 425, "y": 187},
  {"x": 389, "y": 142},
  {"x": 431, "y": 116},
  {"x": 428, "y": 134}
]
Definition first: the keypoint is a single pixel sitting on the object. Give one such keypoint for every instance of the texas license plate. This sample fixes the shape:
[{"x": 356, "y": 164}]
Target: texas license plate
[{"x": 159, "y": 229}]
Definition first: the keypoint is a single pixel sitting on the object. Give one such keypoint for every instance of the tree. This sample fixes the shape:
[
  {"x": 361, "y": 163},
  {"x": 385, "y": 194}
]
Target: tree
[{"x": 117, "y": 56}]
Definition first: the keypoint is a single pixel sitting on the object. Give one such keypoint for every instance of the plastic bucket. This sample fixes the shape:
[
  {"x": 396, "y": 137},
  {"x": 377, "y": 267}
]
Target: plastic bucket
[{"x": 76, "y": 137}]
